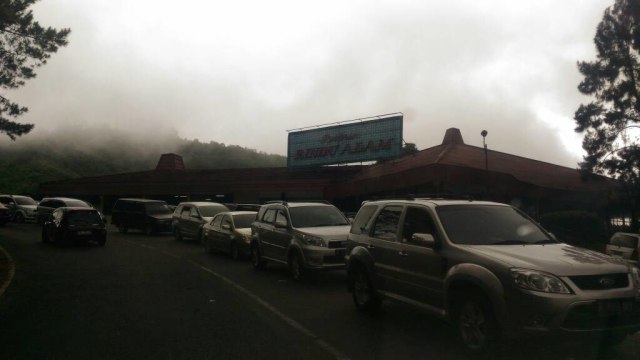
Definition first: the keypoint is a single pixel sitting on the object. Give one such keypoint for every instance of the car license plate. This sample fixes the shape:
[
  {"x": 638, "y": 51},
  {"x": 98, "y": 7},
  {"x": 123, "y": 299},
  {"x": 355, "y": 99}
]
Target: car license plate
[{"x": 84, "y": 232}]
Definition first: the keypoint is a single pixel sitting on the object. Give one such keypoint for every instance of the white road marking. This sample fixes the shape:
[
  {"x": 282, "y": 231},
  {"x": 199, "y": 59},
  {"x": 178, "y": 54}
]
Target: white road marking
[
  {"x": 296, "y": 325},
  {"x": 12, "y": 271}
]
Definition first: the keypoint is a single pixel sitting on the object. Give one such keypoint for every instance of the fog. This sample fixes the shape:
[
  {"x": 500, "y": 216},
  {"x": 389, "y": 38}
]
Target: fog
[{"x": 245, "y": 72}]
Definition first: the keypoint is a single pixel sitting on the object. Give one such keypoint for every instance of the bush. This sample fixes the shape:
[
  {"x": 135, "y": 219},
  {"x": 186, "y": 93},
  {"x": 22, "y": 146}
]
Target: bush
[{"x": 580, "y": 228}]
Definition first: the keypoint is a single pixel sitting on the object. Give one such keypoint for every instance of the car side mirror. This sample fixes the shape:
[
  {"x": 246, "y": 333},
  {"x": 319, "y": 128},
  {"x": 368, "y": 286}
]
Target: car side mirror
[
  {"x": 226, "y": 226},
  {"x": 426, "y": 240},
  {"x": 281, "y": 225}
]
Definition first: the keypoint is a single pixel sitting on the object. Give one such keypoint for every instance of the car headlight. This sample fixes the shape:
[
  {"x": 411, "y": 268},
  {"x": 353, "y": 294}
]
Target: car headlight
[
  {"x": 312, "y": 240},
  {"x": 539, "y": 281}
]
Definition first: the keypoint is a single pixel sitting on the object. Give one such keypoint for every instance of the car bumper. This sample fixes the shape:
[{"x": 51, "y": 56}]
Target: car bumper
[
  {"x": 318, "y": 259},
  {"x": 531, "y": 313}
]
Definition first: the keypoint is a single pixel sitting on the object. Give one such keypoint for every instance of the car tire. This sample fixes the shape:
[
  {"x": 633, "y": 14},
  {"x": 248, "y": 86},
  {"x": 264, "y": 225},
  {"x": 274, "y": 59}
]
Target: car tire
[
  {"x": 234, "y": 251},
  {"x": 296, "y": 267},
  {"x": 177, "y": 234},
  {"x": 122, "y": 229},
  {"x": 476, "y": 324},
  {"x": 148, "y": 229},
  {"x": 256, "y": 258},
  {"x": 612, "y": 339},
  {"x": 19, "y": 218},
  {"x": 364, "y": 296},
  {"x": 207, "y": 245}
]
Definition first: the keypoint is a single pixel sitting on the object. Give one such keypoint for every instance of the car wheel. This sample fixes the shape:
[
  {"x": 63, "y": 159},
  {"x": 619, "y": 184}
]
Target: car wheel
[
  {"x": 122, "y": 229},
  {"x": 148, "y": 229},
  {"x": 295, "y": 266},
  {"x": 476, "y": 324},
  {"x": 19, "y": 218},
  {"x": 206, "y": 244},
  {"x": 256, "y": 259},
  {"x": 364, "y": 296},
  {"x": 235, "y": 252},
  {"x": 177, "y": 234},
  {"x": 611, "y": 339}
]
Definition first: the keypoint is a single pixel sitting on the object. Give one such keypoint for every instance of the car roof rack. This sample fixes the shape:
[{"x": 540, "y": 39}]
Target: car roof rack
[{"x": 422, "y": 197}]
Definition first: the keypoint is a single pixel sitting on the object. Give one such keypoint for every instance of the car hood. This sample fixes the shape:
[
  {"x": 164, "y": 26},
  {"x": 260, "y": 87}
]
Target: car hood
[
  {"x": 207, "y": 219},
  {"x": 161, "y": 216},
  {"x": 558, "y": 259},
  {"x": 341, "y": 231},
  {"x": 31, "y": 208}
]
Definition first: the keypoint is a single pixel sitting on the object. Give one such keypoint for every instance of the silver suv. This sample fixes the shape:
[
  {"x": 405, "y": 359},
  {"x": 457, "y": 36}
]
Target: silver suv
[
  {"x": 306, "y": 236},
  {"x": 489, "y": 269}
]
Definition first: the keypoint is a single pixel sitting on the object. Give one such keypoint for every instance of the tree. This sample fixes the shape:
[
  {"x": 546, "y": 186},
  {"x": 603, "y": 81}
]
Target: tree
[
  {"x": 613, "y": 79},
  {"x": 24, "y": 46}
]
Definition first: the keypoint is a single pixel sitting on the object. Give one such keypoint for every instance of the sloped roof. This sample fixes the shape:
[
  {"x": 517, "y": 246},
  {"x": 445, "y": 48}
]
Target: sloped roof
[{"x": 454, "y": 152}]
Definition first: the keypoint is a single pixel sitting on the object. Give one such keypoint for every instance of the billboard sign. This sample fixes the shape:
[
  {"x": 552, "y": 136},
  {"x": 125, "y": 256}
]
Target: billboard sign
[{"x": 370, "y": 140}]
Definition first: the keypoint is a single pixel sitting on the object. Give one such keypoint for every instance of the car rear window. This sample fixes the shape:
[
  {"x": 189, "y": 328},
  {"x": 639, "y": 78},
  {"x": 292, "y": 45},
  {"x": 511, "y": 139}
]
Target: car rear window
[
  {"x": 83, "y": 218},
  {"x": 623, "y": 240},
  {"x": 210, "y": 211}
]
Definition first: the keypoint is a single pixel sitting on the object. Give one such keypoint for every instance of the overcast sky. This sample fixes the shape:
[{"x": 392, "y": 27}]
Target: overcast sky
[{"x": 243, "y": 72}]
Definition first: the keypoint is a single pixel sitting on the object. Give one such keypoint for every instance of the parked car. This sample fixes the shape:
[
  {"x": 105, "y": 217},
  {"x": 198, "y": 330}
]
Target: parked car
[
  {"x": 5, "y": 215},
  {"x": 150, "y": 216},
  {"x": 489, "y": 269},
  {"x": 22, "y": 208},
  {"x": 48, "y": 205},
  {"x": 73, "y": 225},
  {"x": 625, "y": 245},
  {"x": 306, "y": 236},
  {"x": 229, "y": 232},
  {"x": 189, "y": 218}
]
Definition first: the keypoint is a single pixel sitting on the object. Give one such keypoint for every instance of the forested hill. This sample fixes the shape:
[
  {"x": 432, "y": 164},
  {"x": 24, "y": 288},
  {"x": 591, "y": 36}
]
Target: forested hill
[{"x": 80, "y": 152}]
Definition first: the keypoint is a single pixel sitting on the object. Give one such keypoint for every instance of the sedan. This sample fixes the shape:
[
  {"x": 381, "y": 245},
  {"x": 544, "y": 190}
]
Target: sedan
[
  {"x": 74, "y": 224},
  {"x": 229, "y": 232}
]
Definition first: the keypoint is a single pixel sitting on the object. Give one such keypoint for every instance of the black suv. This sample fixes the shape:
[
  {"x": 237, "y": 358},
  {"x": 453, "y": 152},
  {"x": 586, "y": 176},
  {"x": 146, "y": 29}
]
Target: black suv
[
  {"x": 189, "y": 218},
  {"x": 306, "y": 236},
  {"x": 150, "y": 216},
  {"x": 73, "y": 225}
]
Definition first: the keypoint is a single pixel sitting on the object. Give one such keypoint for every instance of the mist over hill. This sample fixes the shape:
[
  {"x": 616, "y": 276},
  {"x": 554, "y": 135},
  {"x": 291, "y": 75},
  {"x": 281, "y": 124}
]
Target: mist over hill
[{"x": 78, "y": 151}]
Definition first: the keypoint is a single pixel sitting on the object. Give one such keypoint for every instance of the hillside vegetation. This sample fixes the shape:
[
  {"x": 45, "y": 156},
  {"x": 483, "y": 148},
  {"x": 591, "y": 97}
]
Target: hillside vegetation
[{"x": 82, "y": 151}]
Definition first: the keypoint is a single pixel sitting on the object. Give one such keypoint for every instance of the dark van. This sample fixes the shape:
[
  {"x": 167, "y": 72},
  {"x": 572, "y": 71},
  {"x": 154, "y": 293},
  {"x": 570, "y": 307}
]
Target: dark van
[{"x": 150, "y": 216}]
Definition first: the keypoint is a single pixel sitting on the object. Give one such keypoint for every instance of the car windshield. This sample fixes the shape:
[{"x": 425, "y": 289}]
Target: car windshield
[
  {"x": 24, "y": 200},
  {"x": 158, "y": 209},
  {"x": 83, "y": 218},
  {"x": 211, "y": 210},
  {"x": 624, "y": 240},
  {"x": 489, "y": 225},
  {"x": 312, "y": 216},
  {"x": 242, "y": 221},
  {"x": 76, "y": 203}
]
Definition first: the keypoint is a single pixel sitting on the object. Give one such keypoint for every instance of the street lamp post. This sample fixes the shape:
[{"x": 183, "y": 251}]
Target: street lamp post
[{"x": 484, "y": 134}]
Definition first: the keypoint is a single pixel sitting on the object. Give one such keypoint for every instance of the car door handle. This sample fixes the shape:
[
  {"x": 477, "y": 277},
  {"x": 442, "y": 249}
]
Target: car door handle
[{"x": 403, "y": 253}]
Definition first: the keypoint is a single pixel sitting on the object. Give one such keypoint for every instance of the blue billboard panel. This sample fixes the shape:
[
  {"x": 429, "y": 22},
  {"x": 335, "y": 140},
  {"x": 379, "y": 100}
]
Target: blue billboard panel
[{"x": 354, "y": 142}]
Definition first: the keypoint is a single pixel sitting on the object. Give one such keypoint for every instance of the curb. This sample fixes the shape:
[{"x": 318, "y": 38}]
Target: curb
[{"x": 7, "y": 270}]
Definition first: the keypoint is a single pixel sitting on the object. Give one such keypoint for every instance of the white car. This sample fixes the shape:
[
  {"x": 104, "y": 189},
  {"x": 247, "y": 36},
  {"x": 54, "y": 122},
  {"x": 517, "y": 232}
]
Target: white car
[{"x": 625, "y": 245}]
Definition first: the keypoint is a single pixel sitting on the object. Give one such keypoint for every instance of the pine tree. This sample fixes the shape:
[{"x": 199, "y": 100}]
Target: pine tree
[
  {"x": 613, "y": 80},
  {"x": 24, "y": 46}
]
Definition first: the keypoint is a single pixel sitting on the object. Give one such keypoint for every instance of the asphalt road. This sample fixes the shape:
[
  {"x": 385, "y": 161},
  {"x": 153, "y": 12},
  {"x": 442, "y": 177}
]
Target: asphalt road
[{"x": 145, "y": 297}]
